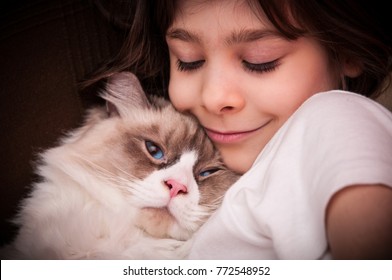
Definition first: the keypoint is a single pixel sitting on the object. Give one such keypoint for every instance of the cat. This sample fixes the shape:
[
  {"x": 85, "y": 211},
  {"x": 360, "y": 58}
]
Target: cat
[{"x": 135, "y": 181}]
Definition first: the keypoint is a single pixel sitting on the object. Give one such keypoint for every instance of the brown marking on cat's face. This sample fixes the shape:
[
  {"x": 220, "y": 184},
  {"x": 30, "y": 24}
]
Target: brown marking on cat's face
[{"x": 174, "y": 138}]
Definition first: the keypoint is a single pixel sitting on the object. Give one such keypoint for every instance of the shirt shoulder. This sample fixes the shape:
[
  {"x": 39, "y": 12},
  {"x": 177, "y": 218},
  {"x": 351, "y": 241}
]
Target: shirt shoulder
[{"x": 343, "y": 105}]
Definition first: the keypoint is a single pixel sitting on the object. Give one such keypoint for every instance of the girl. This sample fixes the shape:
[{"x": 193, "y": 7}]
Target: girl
[{"x": 269, "y": 81}]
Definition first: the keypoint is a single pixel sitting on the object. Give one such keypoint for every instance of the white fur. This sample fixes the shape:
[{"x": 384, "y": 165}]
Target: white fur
[{"x": 65, "y": 220}]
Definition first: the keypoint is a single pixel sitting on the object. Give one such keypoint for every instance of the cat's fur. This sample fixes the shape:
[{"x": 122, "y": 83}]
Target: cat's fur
[{"x": 105, "y": 196}]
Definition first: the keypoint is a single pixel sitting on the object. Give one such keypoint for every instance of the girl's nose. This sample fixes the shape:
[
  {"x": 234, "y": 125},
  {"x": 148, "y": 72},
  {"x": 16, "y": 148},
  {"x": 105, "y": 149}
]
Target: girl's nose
[{"x": 222, "y": 94}]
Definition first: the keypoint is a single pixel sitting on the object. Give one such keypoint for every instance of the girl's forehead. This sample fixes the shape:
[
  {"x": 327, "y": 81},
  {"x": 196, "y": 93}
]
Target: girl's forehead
[
  {"x": 195, "y": 13},
  {"x": 190, "y": 7}
]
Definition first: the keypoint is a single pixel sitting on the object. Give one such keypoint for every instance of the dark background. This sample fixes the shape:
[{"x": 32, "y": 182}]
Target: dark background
[{"x": 46, "y": 48}]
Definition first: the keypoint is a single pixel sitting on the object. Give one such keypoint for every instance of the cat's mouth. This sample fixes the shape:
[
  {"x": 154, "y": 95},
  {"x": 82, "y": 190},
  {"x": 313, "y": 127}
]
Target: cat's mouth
[{"x": 157, "y": 222}]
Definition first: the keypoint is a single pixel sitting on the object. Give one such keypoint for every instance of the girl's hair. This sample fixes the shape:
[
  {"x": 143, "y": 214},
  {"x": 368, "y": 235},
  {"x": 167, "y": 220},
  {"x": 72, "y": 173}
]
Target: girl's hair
[{"x": 348, "y": 29}]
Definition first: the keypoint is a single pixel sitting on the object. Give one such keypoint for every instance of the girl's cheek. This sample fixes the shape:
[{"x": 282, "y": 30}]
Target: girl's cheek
[{"x": 178, "y": 96}]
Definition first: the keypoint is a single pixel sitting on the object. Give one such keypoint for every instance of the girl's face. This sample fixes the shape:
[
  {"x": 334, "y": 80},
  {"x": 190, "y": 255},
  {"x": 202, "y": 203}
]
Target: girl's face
[{"x": 239, "y": 77}]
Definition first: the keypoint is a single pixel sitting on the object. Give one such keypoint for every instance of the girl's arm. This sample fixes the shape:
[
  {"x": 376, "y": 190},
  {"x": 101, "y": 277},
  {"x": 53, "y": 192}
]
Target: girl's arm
[{"x": 359, "y": 223}]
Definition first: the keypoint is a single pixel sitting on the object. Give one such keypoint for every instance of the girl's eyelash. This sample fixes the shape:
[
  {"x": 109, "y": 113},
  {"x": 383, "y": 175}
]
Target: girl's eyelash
[
  {"x": 189, "y": 66},
  {"x": 261, "y": 67},
  {"x": 252, "y": 67}
]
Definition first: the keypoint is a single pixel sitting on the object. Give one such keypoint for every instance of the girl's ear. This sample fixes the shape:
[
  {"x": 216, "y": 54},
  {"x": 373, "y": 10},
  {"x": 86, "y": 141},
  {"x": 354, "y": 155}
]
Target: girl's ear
[{"x": 352, "y": 69}]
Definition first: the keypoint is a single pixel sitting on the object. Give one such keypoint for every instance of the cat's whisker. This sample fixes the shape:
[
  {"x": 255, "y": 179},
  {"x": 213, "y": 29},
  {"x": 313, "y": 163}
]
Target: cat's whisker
[
  {"x": 126, "y": 173},
  {"x": 196, "y": 215},
  {"x": 103, "y": 172}
]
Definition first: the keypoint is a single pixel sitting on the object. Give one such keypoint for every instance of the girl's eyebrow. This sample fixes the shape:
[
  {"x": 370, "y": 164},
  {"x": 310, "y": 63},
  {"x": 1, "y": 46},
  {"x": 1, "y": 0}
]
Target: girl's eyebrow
[
  {"x": 183, "y": 35},
  {"x": 250, "y": 35},
  {"x": 236, "y": 37}
]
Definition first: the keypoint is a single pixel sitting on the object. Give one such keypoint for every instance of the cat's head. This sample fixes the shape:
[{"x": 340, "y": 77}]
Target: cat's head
[{"x": 145, "y": 154}]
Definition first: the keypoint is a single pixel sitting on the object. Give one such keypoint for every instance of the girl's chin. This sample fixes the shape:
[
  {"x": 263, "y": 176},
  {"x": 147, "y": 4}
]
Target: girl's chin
[{"x": 238, "y": 160}]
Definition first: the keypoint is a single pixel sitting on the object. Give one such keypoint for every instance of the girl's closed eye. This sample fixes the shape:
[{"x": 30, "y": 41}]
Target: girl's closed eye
[
  {"x": 189, "y": 66},
  {"x": 249, "y": 66},
  {"x": 261, "y": 67}
]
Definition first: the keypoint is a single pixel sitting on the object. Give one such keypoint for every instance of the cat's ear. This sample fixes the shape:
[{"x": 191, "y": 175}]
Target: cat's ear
[{"x": 124, "y": 92}]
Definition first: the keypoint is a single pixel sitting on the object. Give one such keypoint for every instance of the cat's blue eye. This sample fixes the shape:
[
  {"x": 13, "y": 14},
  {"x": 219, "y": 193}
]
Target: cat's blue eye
[
  {"x": 154, "y": 150},
  {"x": 208, "y": 172}
]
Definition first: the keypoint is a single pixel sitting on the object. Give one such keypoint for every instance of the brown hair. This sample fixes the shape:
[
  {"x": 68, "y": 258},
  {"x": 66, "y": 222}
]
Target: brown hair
[{"x": 346, "y": 28}]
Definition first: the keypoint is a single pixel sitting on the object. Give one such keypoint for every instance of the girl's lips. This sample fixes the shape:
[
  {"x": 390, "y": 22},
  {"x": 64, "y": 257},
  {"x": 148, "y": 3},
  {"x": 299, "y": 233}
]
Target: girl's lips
[{"x": 230, "y": 137}]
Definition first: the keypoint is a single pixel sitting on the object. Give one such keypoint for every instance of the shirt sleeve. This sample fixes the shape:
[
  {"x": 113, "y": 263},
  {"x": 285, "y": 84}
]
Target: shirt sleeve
[
  {"x": 348, "y": 141},
  {"x": 345, "y": 139}
]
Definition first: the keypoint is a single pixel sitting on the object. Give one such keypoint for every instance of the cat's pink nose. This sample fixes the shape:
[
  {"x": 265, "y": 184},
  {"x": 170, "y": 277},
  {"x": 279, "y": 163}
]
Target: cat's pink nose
[{"x": 175, "y": 187}]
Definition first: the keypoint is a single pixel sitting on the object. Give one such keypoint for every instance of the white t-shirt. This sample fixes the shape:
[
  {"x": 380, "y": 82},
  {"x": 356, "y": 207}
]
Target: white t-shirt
[{"x": 277, "y": 209}]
